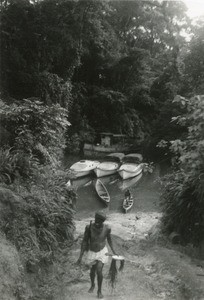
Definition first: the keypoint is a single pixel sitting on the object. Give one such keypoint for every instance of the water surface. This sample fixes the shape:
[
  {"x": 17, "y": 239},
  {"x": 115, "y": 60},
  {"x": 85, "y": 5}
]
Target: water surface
[{"x": 145, "y": 189}]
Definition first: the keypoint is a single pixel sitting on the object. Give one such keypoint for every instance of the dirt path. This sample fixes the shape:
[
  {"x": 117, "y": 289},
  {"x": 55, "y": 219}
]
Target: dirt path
[{"x": 154, "y": 269}]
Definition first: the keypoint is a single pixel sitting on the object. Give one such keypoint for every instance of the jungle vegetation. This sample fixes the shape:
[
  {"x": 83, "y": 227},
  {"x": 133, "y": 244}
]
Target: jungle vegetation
[{"x": 72, "y": 69}]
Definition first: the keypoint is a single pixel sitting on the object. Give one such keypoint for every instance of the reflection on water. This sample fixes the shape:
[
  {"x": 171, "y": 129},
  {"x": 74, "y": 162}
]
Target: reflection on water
[
  {"x": 144, "y": 188},
  {"x": 111, "y": 179},
  {"x": 88, "y": 180},
  {"x": 80, "y": 182},
  {"x": 88, "y": 200},
  {"x": 128, "y": 183}
]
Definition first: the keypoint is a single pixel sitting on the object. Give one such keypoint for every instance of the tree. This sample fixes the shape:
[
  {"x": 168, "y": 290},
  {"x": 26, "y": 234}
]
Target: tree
[
  {"x": 124, "y": 51},
  {"x": 193, "y": 77}
]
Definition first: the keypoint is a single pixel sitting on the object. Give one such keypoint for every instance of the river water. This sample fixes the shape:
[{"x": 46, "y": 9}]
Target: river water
[{"x": 145, "y": 189}]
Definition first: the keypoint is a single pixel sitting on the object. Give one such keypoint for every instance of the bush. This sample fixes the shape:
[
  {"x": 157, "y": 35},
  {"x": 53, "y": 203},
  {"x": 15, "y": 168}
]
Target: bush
[
  {"x": 38, "y": 137},
  {"x": 35, "y": 126},
  {"x": 182, "y": 203},
  {"x": 14, "y": 163},
  {"x": 183, "y": 196},
  {"x": 42, "y": 221}
]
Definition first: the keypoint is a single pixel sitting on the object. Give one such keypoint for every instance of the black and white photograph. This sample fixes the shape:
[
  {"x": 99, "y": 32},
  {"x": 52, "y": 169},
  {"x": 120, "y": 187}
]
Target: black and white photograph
[{"x": 101, "y": 149}]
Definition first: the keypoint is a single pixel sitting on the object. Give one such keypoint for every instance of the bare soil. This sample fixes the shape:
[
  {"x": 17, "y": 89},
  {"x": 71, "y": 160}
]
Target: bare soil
[{"x": 154, "y": 268}]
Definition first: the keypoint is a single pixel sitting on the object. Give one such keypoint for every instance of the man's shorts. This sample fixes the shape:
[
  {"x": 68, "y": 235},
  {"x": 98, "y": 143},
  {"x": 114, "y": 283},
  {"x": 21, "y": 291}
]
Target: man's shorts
[{"x": 92, "y": 257}]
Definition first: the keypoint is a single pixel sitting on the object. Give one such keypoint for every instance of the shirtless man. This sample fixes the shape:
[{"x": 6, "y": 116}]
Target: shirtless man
[
  {"x": 96, "y": 234},
  {"x": 127, "y": 194}
]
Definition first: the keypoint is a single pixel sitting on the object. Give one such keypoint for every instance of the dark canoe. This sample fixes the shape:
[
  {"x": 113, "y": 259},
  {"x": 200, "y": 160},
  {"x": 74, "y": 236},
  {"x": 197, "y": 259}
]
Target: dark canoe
[
  {"x": 133, "y": 158},
  {"x": 102, "y": 191},
  {"x": 127, "y": 205}
]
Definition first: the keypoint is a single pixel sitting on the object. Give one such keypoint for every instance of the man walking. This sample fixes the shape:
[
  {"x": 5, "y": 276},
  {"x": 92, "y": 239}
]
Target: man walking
[{"x": 94, "y": 242}]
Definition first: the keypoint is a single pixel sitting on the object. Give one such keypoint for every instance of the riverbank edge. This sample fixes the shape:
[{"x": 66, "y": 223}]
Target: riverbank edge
[{"x": 140, "y": 241}]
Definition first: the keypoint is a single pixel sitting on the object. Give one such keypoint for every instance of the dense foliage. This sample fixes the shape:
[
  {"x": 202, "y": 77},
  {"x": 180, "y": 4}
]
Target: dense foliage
[
  {"x": 193, "y": 70},
  {"x": 36, "y": 135},
  {"x": 41, "y": 221},
  {"x": 183, "y": 197},
  {"x": 118, "y": 61}
]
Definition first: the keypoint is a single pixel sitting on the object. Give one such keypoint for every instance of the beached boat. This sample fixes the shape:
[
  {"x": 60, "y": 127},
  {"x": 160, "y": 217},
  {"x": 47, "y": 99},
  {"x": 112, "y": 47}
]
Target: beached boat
[
  {"x": 110, "y": 165},
  {"x": 102, "y": 192},
  {"x": 132, "y": 166},
  {"x": 128, "y": 204},
  {"x": 91, "y": 150},
  {"x": 108, "y": 143},
  {"x": 83, "y": 168}
]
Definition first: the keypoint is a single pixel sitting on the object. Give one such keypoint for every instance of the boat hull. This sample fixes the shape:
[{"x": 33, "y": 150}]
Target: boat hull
[
  {"x": 129, "y": 182},
  {"x": 100, "y": 151},
  {"x": 130, "y": 170},
  {"x": 102, "y": 173},
  {"x": 78, "y": 174},
  {"x": 106, "y": 168}
]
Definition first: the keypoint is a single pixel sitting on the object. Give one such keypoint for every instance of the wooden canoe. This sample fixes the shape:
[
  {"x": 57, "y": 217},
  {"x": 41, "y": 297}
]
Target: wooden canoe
[
  {"x": 128, "y": 204},
  {"x": 102, "y": 192}
]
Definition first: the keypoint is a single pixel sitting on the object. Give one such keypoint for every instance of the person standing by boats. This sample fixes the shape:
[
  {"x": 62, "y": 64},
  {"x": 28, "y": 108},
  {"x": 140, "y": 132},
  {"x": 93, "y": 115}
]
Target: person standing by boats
[
  {"x": 128, "y": 196},
  {"x": 94, "y": 242}
]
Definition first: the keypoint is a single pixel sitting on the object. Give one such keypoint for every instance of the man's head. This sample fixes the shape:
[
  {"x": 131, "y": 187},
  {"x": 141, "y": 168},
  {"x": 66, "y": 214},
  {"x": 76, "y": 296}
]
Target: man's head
[{"x": 100, "y": 217}]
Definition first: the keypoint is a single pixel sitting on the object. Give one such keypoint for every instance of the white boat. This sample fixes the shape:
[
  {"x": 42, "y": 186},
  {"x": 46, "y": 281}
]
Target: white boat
[
  {"x": 132, "y": 181},
  {"x": 110, "y": 165},
  {"x": 132, "y": 166},
  {"x": 83, "y": 168},
  {"x": 102, "y": 192}
]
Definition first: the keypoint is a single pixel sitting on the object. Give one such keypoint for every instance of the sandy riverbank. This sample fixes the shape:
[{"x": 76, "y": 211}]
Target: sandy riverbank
[
  {"x": 154, "y": 269},
  {"x": 127, "y": 226}
]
